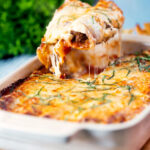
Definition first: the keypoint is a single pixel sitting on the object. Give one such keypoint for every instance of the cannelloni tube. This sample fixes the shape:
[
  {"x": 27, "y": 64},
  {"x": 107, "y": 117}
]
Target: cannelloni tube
[{"x": 79, "y": 27}]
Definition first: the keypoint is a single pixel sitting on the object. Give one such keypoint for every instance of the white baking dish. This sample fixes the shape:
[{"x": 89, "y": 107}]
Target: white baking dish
[{"x": 26, "y": 132}]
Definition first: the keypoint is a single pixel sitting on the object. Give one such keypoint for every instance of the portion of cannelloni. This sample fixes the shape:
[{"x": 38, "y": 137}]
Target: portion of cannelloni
[{"x": 81, "y": 38}]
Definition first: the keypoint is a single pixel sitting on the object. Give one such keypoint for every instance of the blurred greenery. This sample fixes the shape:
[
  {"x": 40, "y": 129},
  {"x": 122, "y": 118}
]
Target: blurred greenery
[{"x": 22, "y": 24}]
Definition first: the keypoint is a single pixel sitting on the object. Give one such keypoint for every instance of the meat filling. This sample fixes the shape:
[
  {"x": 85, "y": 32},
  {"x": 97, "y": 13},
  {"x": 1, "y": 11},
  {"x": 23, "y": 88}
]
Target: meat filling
[{"x": 79, "y": 38}]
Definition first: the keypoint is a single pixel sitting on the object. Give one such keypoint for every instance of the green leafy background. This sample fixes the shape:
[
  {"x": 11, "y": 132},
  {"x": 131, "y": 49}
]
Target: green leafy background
[{"x": 22, "y": 24}]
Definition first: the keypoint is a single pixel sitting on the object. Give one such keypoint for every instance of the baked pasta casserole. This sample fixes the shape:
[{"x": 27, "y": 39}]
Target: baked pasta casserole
[{"x": 115, "y": 95}]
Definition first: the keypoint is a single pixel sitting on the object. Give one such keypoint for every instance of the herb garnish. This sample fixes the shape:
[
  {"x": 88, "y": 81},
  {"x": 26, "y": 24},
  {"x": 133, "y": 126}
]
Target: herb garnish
[
  {"x": 132, "y": 97},
  {"x": 138, "y": 62},
  {"x": 103, "y": 13},
  {"x": 38, "y": 95},
  {"x": 93, "y": 19},
  {"x": 89, "y": 83},
  {"x": 101, "y": 99},
  {"x": 92, "y": 90},
  {"x": 41, "y": 82},
  {"x": 47, "y": 76},
  {"x": 114, "y": 63},
  {"x": 143, "y": 67},
  {"x": 128, "y": 71},
  {"x": 107, "y": 17},
  {"x": 103, "y": 79},
  {"x": 108, "y": 78},
  {"x": 80, "y": 109},
  {"x": 113, "y": 74},
  {"x": 118, "y": 24},
  {"x": 104, "y": 97}
]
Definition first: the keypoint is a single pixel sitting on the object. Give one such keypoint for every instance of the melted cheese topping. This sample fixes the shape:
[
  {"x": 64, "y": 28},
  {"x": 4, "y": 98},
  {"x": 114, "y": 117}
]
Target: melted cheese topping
[
  {"x": 80, "y": 17},
  {"x": 79, "y": 26},
  {"x": 116, "y": 95}
]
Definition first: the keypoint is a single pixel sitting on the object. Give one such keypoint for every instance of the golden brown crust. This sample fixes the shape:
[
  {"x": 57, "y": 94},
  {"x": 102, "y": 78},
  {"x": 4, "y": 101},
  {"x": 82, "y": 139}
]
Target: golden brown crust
[
  {"x": 43, "y": 55},
  {"x": 116, "y": 95}
]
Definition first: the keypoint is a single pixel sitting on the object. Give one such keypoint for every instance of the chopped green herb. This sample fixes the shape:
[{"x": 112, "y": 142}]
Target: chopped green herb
[
  {"x": 103, "y": 79},
  {"x": 70, "y": 89},
  {"x": 137, "y": 53},
  {"x": 93, "y": 19},
  {"x": 83, "y": 91},
  {"x": 106, "y": 84},
  {"x": 74, "y": 101},
  {"x": 107, "y": 17},
  {"x": 38, "y": 95},
  {"x": 103, "y": 13},
  {"x": 113, "y": 74},
  {"x": 140, "y": 66},
  {"x": 108, "y": 78},
  {"x": 128, "y": 71},
  {"x": 50, "y": 77},
  {"x": 91, "y": 84},
  {"x": 39, "y": 91},
  {"x": 94, "y": 106},
  {"x": 114, "y": 63},
  {"x": 101, "y": 99},
  {"x": 41, "y": 82},
  {"x": 118, "y": 24},
  {"x": 104, "y": 97},
  {"x": 80, "y": 109},
  {"x": 147, "y": 68},
  {"x": 44, "y": 76},
  {"x": 132, "y": 97},
  {"x": 145, "y": 58},
  {"x": 138, "y": 62}
]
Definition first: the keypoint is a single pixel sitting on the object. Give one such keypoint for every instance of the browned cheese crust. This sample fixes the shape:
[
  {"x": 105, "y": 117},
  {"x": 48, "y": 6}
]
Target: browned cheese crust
[{"x": 116, "y": 95}]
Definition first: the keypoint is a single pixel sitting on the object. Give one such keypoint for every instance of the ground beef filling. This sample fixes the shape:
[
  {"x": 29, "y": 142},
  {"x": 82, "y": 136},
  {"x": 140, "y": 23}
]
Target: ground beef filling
[{"x": 79, "y": 38}]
